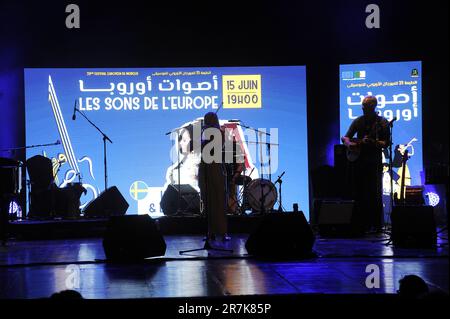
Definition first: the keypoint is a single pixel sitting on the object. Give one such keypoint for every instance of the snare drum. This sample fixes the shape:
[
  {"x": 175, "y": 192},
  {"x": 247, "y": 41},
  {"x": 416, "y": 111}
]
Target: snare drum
[{"x": 261, "y": 194}]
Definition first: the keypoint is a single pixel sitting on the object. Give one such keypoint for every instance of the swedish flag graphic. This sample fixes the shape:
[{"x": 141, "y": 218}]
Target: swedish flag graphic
[{"x": 138, "y": 190}]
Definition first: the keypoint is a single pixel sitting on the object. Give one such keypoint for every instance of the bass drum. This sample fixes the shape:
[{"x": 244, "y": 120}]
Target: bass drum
[{"x": 261, "y": 194}]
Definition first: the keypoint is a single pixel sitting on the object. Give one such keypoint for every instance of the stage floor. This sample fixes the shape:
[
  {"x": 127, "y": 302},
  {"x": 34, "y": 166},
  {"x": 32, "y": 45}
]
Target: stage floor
[
  {"x": 37, "y": 269},
  {"x": 95, "y": 227}
]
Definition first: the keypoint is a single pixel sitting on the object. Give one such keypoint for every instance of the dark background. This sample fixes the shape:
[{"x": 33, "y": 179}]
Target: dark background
[{"x": 319, "y": 34}]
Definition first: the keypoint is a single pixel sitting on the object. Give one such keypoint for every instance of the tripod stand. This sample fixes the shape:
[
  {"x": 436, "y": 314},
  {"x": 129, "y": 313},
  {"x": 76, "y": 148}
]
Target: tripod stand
[{"x": 207, "y": 246}]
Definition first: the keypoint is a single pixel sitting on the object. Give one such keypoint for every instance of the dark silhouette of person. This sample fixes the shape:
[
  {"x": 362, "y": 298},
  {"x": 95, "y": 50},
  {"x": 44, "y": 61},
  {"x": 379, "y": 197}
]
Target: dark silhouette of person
[
  {"x": 412, "y": 287},
  {"x": 212, "y": 183},
  {"x": 372, "y": 135},
  {"x": 67, "y": 295}
]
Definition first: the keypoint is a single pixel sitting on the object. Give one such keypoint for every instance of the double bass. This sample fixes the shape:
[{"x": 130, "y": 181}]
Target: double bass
[{"x": 400, "y": 198}]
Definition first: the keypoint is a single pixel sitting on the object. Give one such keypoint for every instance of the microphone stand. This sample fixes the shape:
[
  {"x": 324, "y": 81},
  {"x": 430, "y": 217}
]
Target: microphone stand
[
  {"x": 177, "y": 130},
  {"x": 29, "y": 146},
  {"x": 391, "y": 195},
  {"x": 105, "y": 138}
]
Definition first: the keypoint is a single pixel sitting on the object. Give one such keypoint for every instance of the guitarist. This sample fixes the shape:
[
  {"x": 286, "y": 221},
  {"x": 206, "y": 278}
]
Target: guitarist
[{"x": 372, "y": 135}]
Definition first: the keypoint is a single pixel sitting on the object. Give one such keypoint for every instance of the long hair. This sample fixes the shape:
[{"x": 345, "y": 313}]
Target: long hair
[
  {"x": 189, "y": 129},
  {"x": 211, "y": 120}
]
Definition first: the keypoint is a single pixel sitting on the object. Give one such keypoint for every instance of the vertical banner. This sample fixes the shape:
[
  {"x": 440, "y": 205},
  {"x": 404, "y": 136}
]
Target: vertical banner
[{"x": 397, "y": 87}]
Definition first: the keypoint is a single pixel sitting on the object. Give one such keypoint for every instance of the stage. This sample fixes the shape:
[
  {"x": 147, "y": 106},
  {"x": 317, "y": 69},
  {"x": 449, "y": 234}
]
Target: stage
[
  {"x": 39, "y": 268},
  {"x": 95, "y": 227}
]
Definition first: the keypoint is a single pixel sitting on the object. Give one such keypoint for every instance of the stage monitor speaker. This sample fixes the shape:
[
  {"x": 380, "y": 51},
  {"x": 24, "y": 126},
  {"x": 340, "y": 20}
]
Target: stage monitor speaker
[
  {"x": 337, "y": 219},
  {"x": 189, "y": 201},
  {"x": 413, "y": 226},
  {"x": 132, "y": 238},
  {"x": 285, "y": 235},
  {"x": 109, "y": 203}
]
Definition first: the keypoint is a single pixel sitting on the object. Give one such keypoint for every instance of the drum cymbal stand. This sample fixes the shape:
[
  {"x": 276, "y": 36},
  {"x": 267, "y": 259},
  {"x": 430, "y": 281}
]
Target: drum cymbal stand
[
  {"x": 260, "y": 143},
  {"x": 280, "y": 181},
  {"x": 243, "y": 192}
]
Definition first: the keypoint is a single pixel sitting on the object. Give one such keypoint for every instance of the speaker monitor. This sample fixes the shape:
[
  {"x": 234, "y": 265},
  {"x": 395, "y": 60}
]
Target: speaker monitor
[
  {"x": 337, "y": 219},
  {"x": 281, "y": 235},
  {"x": 413, "y": 226},
  {"x": 109, "y": 203},
  {"x": 132, "y": 237},
  {"x": 189, "y": 200}
]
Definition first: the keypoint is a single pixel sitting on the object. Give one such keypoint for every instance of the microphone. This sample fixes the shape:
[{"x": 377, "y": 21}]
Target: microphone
[
  {"x": 234, "y": 121},
  {"x": 58, "y": 142},
  {"x": 74, "y": 116},
  {"x": 393, "y": 120},
  {"x": 220, "y": 106}
]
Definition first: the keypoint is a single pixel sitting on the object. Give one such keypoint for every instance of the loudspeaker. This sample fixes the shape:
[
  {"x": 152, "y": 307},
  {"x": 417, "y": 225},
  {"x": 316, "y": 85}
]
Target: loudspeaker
[
  {"x": 109, "y": 203},
  {"x": 132, "y": 237},
  {"x": 281, "y": 235},
  {"x": 337, "y": 219},
  {"x": 189, "y": 203},
  {"x": 413, "y": 226}
]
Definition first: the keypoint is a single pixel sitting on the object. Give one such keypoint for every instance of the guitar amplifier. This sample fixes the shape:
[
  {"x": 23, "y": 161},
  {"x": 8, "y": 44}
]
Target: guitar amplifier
[
  {"x": 414, "y": 195},
  {"x": 338, "y": 219}
]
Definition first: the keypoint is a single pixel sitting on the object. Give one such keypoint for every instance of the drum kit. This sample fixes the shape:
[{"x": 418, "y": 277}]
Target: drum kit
[
  {"x": 258, "y": 195},
  {"x": 10, "y": 176},
  {"x": 10, "y": 186},
  {"x": 45, "y": 199}
]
